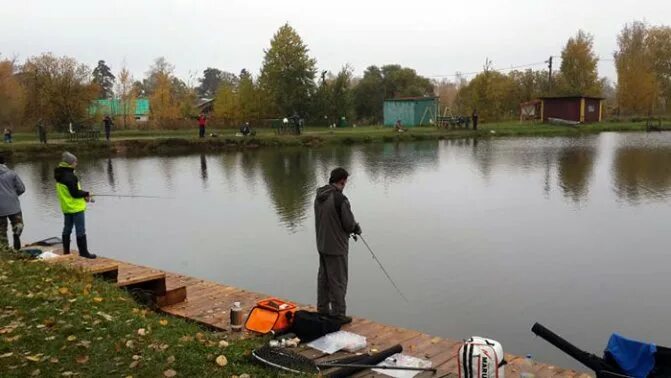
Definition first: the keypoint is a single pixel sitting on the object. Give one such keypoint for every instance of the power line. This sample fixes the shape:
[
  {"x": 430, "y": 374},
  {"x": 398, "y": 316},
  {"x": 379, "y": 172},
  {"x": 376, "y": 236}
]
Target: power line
[
  {"x": 493, "y": 69},
  {"x": 463, "y": 74}
]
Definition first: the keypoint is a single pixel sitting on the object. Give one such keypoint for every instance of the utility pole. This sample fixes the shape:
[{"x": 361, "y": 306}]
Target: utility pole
[{"x": 549, "y": 62}]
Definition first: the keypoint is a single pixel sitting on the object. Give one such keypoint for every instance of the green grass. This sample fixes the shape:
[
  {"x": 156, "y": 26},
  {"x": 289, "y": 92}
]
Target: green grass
[
  {"x": 56, "y": 321},
  {"x": 148, "y": 142}
]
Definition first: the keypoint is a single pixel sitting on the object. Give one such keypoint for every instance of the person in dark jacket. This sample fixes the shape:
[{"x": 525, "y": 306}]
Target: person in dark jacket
[
  {"x": 108, "y": 123},
  {"x": 8, "y": 135},
  {"x": 474, "y": 117},
  {"x": 42, "y": 131},
  {"x": 11, "y": 187},
  {"x": 73, "y": 204},
  {"x": 334, "y": 224}
]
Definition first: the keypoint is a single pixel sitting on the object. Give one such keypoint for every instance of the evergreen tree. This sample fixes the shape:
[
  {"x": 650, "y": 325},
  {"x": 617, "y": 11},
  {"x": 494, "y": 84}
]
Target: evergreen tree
[
  {"x": 211, "y": 80},
  {"x": 104, "y": 78}
]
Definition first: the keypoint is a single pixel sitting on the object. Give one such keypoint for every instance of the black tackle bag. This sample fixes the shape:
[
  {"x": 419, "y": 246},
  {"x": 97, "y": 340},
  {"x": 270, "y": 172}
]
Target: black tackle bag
[{"x": 309, "y": 325}]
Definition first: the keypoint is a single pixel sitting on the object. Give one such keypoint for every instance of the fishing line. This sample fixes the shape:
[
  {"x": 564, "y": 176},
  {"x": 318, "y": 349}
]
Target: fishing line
[
  {"x": 127, "y": 196},
  {"x": 383, "y": 269}
]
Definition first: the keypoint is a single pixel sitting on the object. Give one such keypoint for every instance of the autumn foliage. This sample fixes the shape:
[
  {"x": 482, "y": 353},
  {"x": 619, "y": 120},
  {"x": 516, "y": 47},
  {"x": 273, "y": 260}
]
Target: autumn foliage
[{"x": 59, "y": 90}]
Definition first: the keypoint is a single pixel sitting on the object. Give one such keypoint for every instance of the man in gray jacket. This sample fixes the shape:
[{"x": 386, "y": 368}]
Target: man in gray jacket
[
  {"x": 11, "y": 187},
  {"x": 334, "y": 223}
]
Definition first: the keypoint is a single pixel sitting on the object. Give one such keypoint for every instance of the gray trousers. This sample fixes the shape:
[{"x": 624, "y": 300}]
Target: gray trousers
[{"x": 332, "y": 285}]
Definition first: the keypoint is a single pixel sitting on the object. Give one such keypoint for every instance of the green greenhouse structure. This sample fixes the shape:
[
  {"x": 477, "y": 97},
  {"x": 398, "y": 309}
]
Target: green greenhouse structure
[
  {"x": 139, "y": 110},
  {"x": 411, "y": 111}
]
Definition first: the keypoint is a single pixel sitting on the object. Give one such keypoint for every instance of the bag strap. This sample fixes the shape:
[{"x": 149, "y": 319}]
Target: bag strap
[
  {"x": 464, "y": 362},
  {"x": 470, "y": 361}
]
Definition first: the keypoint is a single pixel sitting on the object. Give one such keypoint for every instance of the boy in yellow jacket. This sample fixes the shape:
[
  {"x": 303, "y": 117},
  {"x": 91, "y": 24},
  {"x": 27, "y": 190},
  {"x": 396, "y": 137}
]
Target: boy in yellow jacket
[{"x": 73, "y": 203}]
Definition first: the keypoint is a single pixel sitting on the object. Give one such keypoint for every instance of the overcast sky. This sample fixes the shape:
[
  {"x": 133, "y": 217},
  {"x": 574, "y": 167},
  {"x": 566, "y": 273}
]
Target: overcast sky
[{"x": 436, "y": 37}]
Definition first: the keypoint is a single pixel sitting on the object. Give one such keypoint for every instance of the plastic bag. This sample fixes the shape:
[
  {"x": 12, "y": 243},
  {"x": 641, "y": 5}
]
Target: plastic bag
[
  {"x": 47, "y": 255},
  {"x": 402, "y": 360},
  {"x": 341, "y": 340}
]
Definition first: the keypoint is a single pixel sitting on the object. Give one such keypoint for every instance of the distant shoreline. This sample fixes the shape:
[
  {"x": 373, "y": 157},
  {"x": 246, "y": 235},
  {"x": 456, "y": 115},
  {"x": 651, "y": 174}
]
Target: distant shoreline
[{"x": 166, "y": 142}]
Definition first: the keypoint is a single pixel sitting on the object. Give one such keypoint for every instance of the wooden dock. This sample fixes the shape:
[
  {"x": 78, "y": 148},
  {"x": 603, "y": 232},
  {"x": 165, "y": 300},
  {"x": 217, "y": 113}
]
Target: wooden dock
[{"x": 208, "y": 303}]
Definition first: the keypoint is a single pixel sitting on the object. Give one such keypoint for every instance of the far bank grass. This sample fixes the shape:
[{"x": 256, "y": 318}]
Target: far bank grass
[
  {"x": 56, "y": 321},
  {"x": 147, "y": 142}
]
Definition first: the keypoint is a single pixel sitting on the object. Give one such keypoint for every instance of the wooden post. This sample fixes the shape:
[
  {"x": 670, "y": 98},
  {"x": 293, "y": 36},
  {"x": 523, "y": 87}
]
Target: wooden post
[
  {"x": 582, "y": 110},
  {"x": 542, "y": 111}
]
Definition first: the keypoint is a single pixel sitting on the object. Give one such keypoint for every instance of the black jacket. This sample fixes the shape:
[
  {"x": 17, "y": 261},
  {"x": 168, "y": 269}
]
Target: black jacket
[
  {"x": 67, "y": 177},
  {"x": 334, "y": 221}
]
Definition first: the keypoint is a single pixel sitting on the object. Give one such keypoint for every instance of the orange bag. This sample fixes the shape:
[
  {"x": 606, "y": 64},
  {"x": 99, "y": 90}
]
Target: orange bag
[{"x": 270, "y": 314}]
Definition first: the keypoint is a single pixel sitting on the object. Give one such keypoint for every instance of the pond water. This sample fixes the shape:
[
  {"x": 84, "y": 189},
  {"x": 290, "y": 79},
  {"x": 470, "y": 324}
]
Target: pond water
[{"x": 484, "y": 237}]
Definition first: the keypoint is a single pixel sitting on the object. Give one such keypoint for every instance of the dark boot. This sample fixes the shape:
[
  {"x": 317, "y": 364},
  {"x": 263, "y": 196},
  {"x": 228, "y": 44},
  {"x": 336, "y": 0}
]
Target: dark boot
[
  {"x": 83, "y": 248},
  {"x": 17, "y": 242},
  {"x": 342, "y": 319},
  {"x": 66, "y": 244}
]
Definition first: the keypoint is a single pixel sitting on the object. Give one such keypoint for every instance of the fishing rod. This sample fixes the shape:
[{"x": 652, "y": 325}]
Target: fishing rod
[
  {"x": 383, "y": 269},
  {"x": 127, "y": 196}
]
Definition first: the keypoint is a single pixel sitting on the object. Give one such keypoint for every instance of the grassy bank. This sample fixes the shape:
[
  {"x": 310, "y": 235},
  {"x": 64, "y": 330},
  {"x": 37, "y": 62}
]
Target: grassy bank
[
  {"x": 146, "y": 142},
  {"x": 56, "y": 321}
]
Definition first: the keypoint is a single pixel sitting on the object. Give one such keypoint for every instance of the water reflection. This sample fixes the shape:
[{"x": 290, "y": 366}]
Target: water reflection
[
  {"x": 575, "y": 169},
  {"x": 110, "y": 174},
  {"x": 290, "y": 179},
  {"x": 642, "y": 173},
  {"x": 399, "y": 160},
  {"x": 203, "y": 169},
  {"x": 640, "y": 170}
]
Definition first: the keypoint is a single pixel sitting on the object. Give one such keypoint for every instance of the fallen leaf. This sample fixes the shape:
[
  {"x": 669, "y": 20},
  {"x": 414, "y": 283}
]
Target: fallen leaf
[
  {"x": 169, "y": 373},
  {"x": 8, "y": 354},
  {"x": 223, "y": 344},
  {"x": 130, "y": 344},
  {"x": 68, "y": 374},
  {"x": 171, "y": 359},
  {"x": 82, "y": 359},
  {"x": 221, "y": 360},
  {"x": 200, "y": 336},
  {"x": 63, "y": 290},
  {"x": 72, "y": 338},
  {"x": 84, "y": 343},
  {"x": 53, "y": 360},
  {"x": 142, "y": 332},
  {"x": 33, "y": 358},
  {"x": 97, "y": 299},
  {"x": 136, "y": 357},
  {"x": 244, "y": 376},
  {"x": 105, "y": 316},
  {"x": 134, "y": 364},
  {"x": 163, "y": 322},
  {"x": 35, "y": 373}
]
